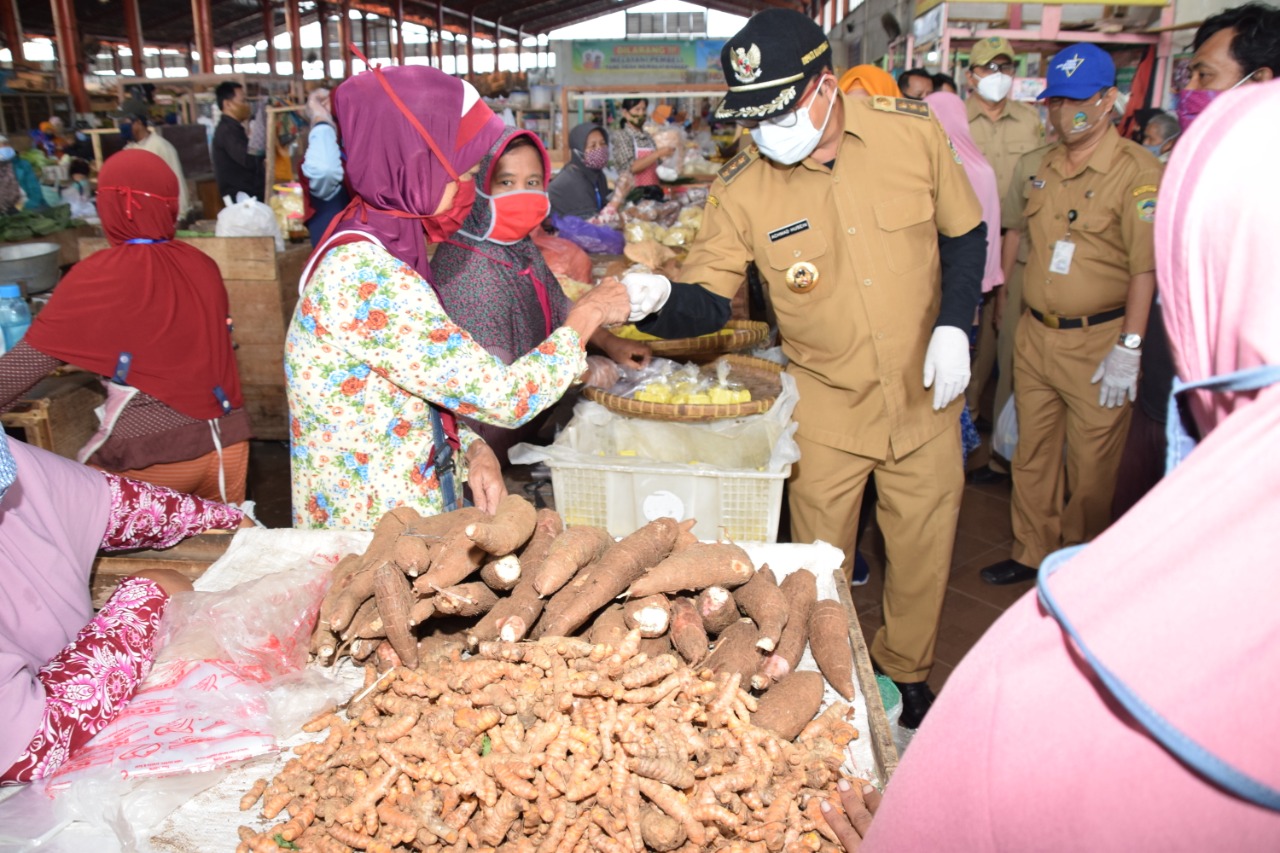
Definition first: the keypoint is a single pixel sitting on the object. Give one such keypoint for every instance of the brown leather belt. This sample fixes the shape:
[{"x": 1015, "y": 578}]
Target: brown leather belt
[{"x": 1053, "y": 321}]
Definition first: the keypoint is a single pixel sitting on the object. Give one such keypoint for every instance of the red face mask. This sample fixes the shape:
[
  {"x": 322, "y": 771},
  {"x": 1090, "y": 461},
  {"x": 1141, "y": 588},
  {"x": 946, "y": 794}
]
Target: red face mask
[
  {"x": 442, "y": 226},
  {"x": 514, "y": 215}
]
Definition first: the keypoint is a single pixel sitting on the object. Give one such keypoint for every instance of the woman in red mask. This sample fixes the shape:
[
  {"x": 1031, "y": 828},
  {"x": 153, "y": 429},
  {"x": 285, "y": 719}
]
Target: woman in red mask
[
  {"x": 493, "y": 280},
  {"x": 376, "y": 369}
]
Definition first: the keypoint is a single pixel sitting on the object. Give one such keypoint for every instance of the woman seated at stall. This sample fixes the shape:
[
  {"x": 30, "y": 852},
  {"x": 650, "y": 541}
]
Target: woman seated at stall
[
  {"x": 149, "y": 313},
  {"x": 632, "y": 149},
  {"x": 65, "y": 673},
  {"x": 494, "y": 283},
  {"x": 376, "y": 369},
  {"x": 581, "y": 188}
]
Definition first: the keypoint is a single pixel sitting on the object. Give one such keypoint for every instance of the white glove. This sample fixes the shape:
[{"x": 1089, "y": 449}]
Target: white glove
[
  {"x": 318, "y": 107},
  {"x": 648, "y": 292},
  {"x": 1119, "y": 376},
  {"x": 601, "y": 372},
  {"x": 946, "y": 365}
]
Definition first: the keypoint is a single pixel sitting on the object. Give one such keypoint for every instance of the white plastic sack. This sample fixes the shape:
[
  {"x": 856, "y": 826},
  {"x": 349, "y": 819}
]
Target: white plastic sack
[
  {"x": 248, "y": 217},
  {"x": 1004, "y": 441}
]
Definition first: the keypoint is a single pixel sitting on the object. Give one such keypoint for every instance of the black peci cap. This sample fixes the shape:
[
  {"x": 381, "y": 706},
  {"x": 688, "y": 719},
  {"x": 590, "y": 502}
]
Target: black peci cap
[{"x": 769, "y": 61}]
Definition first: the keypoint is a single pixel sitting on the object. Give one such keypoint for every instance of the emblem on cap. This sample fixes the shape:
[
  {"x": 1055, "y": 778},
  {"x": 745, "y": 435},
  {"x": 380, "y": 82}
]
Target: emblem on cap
[
  {"x": 1072, "y": 65},
  {"x": 746, "y": 63},
  {"x": 802, "y": 277}
]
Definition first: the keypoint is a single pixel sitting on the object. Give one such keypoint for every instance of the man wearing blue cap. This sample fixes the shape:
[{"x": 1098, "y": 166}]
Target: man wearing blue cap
[{"x": 1088, "y": 288}]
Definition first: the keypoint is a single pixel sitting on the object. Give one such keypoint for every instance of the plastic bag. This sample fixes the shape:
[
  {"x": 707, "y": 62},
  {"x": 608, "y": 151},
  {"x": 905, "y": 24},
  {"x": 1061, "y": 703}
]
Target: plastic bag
[
  {"x": 229, "y": 680},
  {"x": 596, "y": 239},
  {"x": 248, "y": 217},
  {"x": 1004, "y": 440},
  {"x": 562, "y": 256}
]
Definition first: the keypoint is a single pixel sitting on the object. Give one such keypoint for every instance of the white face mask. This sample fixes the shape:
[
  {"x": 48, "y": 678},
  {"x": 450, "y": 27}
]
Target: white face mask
[
  {"x": 7, "y": 153},
  {"x": 994, "y": 88},
  {"x": 790, "y": 143}
]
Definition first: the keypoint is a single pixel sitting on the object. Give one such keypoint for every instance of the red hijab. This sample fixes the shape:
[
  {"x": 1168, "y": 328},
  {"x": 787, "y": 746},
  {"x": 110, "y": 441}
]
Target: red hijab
[
  {"x": 397, "y": 125},
  {"x": 159, "y": 301}
]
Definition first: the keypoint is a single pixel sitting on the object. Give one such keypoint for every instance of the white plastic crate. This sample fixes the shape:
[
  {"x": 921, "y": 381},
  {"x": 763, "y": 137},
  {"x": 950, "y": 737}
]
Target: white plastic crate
[{"x": 620, "y": 496}]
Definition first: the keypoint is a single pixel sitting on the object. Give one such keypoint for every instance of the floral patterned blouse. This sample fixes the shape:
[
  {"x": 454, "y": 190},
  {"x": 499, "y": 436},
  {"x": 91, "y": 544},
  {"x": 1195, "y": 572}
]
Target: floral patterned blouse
[{"x": 368, "y": 347}]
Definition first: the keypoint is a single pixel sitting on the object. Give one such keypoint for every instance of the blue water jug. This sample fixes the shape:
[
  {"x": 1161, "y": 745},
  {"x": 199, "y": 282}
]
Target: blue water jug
[{"x": 15, "y": 316}]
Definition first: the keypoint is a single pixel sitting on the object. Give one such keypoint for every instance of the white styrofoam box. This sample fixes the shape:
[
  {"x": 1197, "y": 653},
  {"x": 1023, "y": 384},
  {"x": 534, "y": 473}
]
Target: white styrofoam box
[{"x": 742, "y": 506}]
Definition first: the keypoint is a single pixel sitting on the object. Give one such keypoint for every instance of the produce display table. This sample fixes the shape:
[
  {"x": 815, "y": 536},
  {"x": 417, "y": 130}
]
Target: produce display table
[
  {"x": 201, "y": 812},
  {"x": 262, "y": 286}
]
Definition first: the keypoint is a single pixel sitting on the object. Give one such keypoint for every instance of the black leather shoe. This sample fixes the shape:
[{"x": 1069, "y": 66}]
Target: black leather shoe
[
  {"x": 1008, "y": 571},
  {"x": 985, "y": 476},
  {"x": 917, "y": 699}
]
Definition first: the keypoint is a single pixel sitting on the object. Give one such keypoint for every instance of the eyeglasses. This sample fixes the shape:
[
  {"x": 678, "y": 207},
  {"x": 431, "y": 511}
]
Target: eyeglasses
[{"x": 1000, "y": 67}]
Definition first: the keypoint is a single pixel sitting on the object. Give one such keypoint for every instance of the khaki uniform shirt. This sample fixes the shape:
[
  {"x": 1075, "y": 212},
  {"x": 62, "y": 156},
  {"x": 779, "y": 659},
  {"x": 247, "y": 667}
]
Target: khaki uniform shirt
[
  {"x": 1002, "y": 142},
  {"x": 1013, "y": 201},
  {"x": 868, "y": 227},
  {"x": 1114, "y": 199}
]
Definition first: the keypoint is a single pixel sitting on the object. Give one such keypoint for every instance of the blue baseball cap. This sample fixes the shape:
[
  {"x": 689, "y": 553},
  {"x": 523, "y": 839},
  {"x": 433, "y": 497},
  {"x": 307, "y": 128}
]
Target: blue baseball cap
[{"x": 1079, "y": 72}]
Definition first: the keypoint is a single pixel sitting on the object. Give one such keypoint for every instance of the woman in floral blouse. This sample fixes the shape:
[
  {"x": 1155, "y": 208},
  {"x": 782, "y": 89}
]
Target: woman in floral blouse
[{"x": 371, "y": 356}]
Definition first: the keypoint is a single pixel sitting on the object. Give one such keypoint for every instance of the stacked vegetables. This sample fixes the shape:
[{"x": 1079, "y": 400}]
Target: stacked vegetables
[
  {"x": 638, "y": 734},
  {"x": 37, "y": 223}
]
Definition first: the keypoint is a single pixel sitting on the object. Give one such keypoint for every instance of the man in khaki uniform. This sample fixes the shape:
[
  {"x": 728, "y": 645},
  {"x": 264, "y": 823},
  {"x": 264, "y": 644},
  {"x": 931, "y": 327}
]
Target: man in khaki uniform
[
  {"x": 853, "y": 210},
  {"x": 1088, "y": 288},
  {"x": 1004, "y": 130},
  {"x": 1013, "y": 260}
]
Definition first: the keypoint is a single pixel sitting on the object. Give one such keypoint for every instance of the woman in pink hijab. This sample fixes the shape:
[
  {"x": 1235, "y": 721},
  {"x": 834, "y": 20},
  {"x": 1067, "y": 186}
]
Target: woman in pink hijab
[
  {"x": 1131, "y": 705},
  {"x": 951, "y": 114}
]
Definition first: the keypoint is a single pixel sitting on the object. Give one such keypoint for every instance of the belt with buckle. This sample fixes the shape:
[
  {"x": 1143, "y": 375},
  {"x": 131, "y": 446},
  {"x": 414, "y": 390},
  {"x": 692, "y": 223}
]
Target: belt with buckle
[{"x": 1053, "y": 321}]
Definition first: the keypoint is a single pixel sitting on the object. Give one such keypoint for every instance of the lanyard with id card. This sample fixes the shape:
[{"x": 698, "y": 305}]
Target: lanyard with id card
[{"x": 1063, "y": 250}]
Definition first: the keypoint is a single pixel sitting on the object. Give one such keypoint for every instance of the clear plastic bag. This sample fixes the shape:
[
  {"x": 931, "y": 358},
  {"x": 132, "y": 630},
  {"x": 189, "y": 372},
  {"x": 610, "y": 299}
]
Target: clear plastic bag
[
  {"x": 248, "y": 217},
  {"x": 596, "y": 239},
  {"x": 1004, "y": 441}
]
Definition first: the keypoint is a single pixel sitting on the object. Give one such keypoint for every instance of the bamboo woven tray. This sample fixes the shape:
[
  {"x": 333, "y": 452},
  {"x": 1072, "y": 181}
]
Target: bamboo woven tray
[
  {"x": 746, "y": 334},
  {"x": 761, "y": 378}
]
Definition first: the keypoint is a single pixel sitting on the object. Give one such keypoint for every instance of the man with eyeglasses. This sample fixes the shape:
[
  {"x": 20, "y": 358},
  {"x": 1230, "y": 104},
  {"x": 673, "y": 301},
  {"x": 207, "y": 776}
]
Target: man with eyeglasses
[
  {"x": 1087, "y": 290},
  {"x": 1004, "y": 130},
  {"x": 870, "y": 242}
]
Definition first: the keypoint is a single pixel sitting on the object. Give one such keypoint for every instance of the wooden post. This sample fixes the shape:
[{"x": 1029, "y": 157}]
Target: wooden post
[
  {"x": 364, "y": 35},
  {"x": 520, "y": 49},
  {"x": 397, "y": 14},
  {"x": 202, "y": 17},
  {"x": 344, "y": 35},
  {"x": 67, "y": 35},
  {"x": 269, "y": 33},
  {"x": 293, "y": 21}
]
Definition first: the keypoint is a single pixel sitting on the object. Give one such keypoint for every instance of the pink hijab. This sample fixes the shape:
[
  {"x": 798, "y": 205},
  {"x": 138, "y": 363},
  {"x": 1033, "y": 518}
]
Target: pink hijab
[
  {"x": 1025, "y": 749},
  {"x": 954, "y": 119},
  {"x": 396, "y": 177}
]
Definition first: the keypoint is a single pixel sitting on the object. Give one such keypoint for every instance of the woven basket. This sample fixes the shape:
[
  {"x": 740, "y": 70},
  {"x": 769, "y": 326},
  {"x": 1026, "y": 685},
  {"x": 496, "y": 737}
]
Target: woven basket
[
  {"x": 746, "y": 334},
  {"x": 759, "y": 376}
]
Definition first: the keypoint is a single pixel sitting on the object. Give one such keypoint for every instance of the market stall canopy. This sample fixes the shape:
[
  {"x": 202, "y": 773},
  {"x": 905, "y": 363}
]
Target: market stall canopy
[{"x": 168, "y": 24}]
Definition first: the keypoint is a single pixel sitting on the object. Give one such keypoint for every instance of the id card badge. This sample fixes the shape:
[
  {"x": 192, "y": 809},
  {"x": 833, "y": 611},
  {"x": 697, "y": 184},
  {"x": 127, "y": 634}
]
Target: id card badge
[{"x": 1060, "y": 263}]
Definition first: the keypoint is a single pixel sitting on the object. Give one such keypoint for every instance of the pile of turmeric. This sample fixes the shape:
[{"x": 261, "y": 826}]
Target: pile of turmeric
[{"x": 557, "y": 744}]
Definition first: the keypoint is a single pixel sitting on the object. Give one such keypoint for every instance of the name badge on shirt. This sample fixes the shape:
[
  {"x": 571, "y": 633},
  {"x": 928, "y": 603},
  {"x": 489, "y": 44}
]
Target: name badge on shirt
[
  {"x": 787, "y": 230},
  {"x": 1060, "y": 263}
]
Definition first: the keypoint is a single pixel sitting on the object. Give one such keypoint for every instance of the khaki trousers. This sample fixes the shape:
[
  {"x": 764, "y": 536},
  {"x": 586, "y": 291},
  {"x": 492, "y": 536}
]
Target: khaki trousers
[
  {"x": 984, "y": 357},
  {"x": 1057, "y": 405},
  {"x": 1005, "y": 339},
  {"x": 917, "y": 510}
]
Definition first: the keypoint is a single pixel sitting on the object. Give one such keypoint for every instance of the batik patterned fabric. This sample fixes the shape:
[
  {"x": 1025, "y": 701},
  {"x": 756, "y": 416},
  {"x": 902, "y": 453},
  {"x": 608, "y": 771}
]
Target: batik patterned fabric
[
  {"x": 148, "y": 516},
  {"x": 368, "y": 349}
]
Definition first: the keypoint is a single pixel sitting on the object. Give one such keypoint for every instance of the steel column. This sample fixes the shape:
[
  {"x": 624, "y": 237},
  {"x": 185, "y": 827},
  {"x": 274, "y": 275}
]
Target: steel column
[
  {"x": 344, "y": 35},
  {"x": 471, "y": 44},
  {"x": 269, "y": 33},
  {"x": 133, "y": 26},
  {"x": 68, "y": 37},
  {"x": 13, "y": 35},
  {"x": 202, "y": 17},
  {"x": 322, "y": 15},
  {"x": 293, "y": 22},
  {"x": 440, "y": 34},
  {"x": 397, "y": 14}
]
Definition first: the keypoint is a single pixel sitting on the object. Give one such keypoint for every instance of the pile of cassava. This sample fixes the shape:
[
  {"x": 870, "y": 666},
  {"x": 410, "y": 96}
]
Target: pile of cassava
[{"x": 637, "y": 734}]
